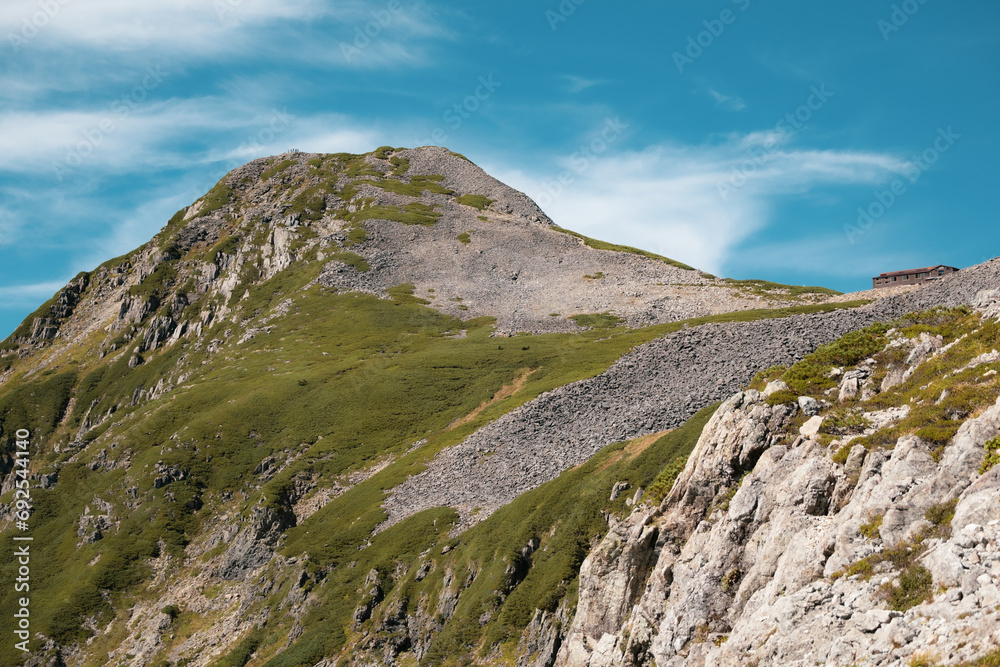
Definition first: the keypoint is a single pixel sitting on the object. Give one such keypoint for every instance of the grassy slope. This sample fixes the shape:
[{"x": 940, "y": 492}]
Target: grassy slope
[
  {"x": 567, "y": 516},
  {"x": 391, "y": 375},
  {"x": 604, "y": 245},
  {"x": 768, "y": 289}
]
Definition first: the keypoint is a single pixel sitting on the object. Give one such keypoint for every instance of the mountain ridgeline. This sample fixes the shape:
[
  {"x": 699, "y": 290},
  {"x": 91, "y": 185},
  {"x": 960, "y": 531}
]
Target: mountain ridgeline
[{"x": 380, "y": 410}]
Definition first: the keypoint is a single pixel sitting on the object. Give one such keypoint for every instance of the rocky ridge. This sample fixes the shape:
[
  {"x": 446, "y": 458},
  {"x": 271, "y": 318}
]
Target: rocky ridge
[{"x": 470, "y": 245}]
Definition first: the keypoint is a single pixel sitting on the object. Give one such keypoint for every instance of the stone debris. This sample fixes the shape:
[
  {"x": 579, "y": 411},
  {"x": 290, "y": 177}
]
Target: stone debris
[{"x": 654, "y": 388}]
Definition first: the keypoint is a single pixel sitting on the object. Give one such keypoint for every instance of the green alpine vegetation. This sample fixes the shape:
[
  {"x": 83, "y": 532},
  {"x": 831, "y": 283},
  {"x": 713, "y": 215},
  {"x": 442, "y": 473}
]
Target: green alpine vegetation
[
  {"x": 604, "y": 245},
  {"x": 480, "y": 202}
]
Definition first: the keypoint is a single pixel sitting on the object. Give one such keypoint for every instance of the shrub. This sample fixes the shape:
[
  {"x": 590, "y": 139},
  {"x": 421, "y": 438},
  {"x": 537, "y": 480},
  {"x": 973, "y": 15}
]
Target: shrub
[
  {"x": 992, "y": 457},
  {"x": 915, "y": 586},
  {"x": 938, "y": 434},
  {"x": 227, "y": 246},
  {"x": 761, "y": 379},
  {"x": 414, "y": 188},
  {"x": 244, "y": 651},
  {"x": 156, "y": 284},
  {"x": 766, "y": 288},
  {"x": 604, "y": 245},
  {"x": 782, "y": 397},
  {"x": 870, "y": 528},
  {"x": 475, "y": 201},
  {"x": 410, "y": 214},
  {"x": 309, "y": 205},
  {"x": 216, "y": 198},
  {"x": 605, "y": 320},
  {"x": 730, "y": 581},
  {"x": 276, "y": 169},
  {"x": 845, "y": 422},
  {"x": 940, "y": 516},
  {"x": 356, "y": 236},
  {"x": 402, "y": 165},
  {"x": 665, "y": 480}
]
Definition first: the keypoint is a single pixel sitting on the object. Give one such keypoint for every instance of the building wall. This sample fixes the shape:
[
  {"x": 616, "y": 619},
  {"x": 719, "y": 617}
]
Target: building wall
[{"x": 914, "y": 277}]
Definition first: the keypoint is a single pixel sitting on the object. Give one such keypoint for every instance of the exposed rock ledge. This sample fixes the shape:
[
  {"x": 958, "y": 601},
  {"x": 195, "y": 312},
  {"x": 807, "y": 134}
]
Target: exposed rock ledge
[{"x": 756, "y": 584}]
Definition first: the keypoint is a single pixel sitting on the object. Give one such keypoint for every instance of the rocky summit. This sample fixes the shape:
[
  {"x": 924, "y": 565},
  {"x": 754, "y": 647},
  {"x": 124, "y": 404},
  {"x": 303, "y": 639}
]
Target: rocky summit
[{"x": 379, "y": 409}]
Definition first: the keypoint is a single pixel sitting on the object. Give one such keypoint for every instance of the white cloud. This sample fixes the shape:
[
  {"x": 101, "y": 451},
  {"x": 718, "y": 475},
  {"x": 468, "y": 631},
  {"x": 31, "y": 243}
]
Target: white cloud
[
  {"x": 118, "y": 137},
  {"x": 194, "y": 29},
  {"x": 694, "y": 204},
  {"x": 173, "y": 133},
  {"x": 577, "y": 84},
  {"x": 26, "y": 296},
  {"x": 731, "y": 103},
  {"x": 125, "y": 25}
]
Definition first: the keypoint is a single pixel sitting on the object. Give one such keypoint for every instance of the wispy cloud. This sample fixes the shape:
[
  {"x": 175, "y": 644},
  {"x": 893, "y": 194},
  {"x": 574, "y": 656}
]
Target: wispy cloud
[
  {"x": 168, "y": 134},
  {"x": 124, "y": 26},
  {"x": 667, "y": 198},
  {"x": 111, "y": 138},
  {"x": 21, "y": 296},
  {"x": 8, "y": 227},
  {"x": 371, "y": 33},
  {"x": 578, "y": 84},
  {"x": 727, "y": 102}
]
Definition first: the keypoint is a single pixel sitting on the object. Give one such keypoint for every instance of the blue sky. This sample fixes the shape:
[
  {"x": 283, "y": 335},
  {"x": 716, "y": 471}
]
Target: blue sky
[{"x": 801, "y": 142}]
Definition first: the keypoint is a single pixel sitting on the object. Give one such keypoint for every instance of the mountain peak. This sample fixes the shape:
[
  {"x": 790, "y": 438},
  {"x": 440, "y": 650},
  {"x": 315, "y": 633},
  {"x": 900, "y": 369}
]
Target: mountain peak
[{"x": 425, "y": 221}]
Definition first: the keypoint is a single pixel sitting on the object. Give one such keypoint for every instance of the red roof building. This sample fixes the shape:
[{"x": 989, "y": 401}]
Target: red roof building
[{"x": 912, "y": 276}]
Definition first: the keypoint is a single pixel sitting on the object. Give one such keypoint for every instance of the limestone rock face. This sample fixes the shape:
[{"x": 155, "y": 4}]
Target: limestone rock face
[
  {"x": 616, "y": 574},
  {"x": 255, "y": 544},
  {"x": 988, "y": 301},
  {"x": 752, "y": 553}
]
